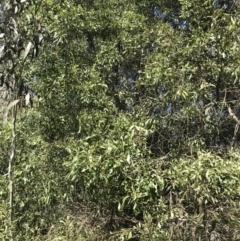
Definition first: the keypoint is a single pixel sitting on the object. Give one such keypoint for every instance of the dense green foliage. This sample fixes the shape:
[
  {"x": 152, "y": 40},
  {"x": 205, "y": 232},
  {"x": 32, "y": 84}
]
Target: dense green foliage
[{"x": 136, "y": 133}]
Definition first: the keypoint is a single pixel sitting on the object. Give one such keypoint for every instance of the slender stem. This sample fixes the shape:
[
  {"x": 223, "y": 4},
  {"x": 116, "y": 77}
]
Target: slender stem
[{"x": 10, "y": 172}]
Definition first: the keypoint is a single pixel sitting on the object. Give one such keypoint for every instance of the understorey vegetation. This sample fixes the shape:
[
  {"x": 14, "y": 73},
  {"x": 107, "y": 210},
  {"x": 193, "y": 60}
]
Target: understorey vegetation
[{"x": 119, "y": 120}]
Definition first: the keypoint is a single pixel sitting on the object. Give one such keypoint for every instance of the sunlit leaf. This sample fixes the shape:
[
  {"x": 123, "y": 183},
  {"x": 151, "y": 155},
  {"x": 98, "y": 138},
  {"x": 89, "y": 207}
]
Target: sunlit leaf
[{"x": 27, "y": 49}]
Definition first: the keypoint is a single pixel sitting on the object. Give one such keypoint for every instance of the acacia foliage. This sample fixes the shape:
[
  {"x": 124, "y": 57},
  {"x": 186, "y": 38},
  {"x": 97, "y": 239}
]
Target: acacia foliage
[{"x": 136, "y": 137}]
